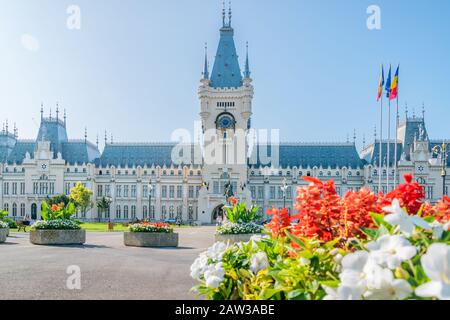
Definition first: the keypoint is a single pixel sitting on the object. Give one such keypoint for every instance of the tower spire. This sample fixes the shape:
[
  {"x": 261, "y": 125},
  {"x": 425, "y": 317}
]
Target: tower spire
[
  {"x": 205, "y": 68},
  {"x": 247, "y": 72},
  {"x": 57, "y": 110},
  {"x": 85, "y": 134}
]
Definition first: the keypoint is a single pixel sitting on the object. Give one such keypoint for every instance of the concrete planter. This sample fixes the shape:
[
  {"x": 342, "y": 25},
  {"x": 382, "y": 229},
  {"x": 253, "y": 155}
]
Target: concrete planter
[
  {"x": 149, "y": 239},
  {"x": 3, "y": 234},
  {"x": 58, "y": 237},
  {"x": 235, "y": 238}
]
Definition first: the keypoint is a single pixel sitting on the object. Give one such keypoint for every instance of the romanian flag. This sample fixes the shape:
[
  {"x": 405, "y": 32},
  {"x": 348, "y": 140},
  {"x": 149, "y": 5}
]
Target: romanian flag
[
  {"x": 388, "y": 84},
  {"x": 381, "y": 84},
  {"x": 394, "y": 86}
]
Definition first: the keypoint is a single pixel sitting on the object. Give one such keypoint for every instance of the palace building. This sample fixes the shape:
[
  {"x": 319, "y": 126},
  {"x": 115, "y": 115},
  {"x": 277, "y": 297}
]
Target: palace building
[{"x": 144, "y": 181}]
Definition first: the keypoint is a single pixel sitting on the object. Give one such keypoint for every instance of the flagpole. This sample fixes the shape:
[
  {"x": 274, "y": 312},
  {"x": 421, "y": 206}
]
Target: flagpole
[
  {"x": 388, "y": 147},
  {"x": 396, "y": 147},
  {"x": 381, "y": 145}
]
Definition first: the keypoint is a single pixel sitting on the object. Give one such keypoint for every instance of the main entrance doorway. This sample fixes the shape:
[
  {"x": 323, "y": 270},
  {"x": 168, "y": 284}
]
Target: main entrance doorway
[{"x": 217, "y": 212}]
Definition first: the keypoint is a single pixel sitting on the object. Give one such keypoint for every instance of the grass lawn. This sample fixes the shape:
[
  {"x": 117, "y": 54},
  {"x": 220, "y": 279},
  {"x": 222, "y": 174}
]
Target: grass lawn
[{"x": 102, "y": 227}]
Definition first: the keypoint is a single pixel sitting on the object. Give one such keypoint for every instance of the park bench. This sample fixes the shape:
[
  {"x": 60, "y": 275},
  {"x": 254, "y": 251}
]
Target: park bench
[{"x": 22, "y": 225}]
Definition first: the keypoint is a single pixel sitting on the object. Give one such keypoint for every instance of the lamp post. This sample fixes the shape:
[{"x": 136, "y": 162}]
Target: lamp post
[
  {"x": 284, "y": 188},
  {"x": 443, "y": 151},
  {"x": 150, "y": 190}
]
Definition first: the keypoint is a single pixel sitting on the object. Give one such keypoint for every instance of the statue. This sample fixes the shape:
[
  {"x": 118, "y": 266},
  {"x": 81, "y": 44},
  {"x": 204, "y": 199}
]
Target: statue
[{"x": 228, "y": 191}]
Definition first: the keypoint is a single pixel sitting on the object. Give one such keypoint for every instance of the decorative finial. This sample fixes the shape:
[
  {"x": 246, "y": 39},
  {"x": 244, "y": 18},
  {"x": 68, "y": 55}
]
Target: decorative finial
[
  {"x": 247, "y": 64},
  {"x": 375, "y": 133},
  {"x": 7, "y": 130},
  {"x": 229, "y": 15},
  {"x": 15, "y": 130},
  {"x": 223, "y": 14},
  {"x": 57, "y": 111},
  {"x": 50, "y": 114},
  {"x": 414, "y": 112},
  {"x": 348, "y": 138},
  {"x": 406, "y": 110},
  {"x": 112, "y": 139},
  {"x": 42, "y": 111},
  {"x": 423, "y": 111},
  {"x": 65, "y": 117},
  {"x": 85, "y": 134},
  {"x": 364, "y": 140},
  {"x": 205, "y": 68},
  {"x": 354, "y": 136},
  {"x": 96, "y": 141}
]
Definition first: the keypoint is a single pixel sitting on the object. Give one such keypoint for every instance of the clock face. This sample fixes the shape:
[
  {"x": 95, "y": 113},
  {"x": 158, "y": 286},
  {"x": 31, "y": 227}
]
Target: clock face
[{"x": 225, "y": 122}]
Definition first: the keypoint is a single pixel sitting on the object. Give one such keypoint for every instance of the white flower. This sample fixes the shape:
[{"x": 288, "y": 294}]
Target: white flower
[
  {"x": 343, "y": 293},
  {"x": 436, "y": 264},
  {"x": 304, "y": 261},
  {"x": 383, "y": 286},
  {"x": 3, "y": 225},
  {"x": 391, "y": 251},
  {"x": 353, "y": 265},
  {"x": 400, "y": 218},
  {"x": 217, "y": 250},
  {"x": 199, "y": 266},
  {"x": 258, "y": 262},
  {"x": 214, "y": 275},
  {"x": 439, "y": 228}
]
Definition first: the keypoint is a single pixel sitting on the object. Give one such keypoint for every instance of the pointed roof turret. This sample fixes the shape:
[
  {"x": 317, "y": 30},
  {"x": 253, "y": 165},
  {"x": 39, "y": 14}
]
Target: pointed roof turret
[{"x": 226, "y": 72}]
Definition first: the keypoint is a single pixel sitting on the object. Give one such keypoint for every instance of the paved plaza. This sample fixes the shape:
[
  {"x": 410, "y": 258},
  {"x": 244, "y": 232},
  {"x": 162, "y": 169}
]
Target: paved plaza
[{"x": 109, "y": 270}]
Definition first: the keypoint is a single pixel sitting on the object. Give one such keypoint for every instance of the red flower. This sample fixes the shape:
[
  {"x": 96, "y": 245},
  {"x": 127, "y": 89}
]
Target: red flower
[
  {"x": 441, "y": 210},
  {"x": 55, "y": 207},
  {"x": 233, "y": 201},
  {"x": 281, "y": 221},
  {"x": 410, "y": 195}
]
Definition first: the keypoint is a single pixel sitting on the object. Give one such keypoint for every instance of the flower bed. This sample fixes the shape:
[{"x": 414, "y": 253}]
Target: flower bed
[
  {"x": 151, "y": 227},
  {"x": 57, "y": 228},
  {"x": 237, "y": 232},
  {"x": 240, "y": 226},
  {"x": 56, "y": 225},
  {"x": 360, "y": 246},
  {"x": 150, "y": 235},
  {"x": 4, "y": 230}
]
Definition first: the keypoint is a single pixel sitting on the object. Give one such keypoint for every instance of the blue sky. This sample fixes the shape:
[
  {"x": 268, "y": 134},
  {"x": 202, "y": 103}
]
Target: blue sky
[{"x": 134, "y": 67}]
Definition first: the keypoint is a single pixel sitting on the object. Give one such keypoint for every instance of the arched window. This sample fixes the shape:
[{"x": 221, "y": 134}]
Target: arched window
[
  {"x": 6, "y": 207},
  {"x": 133, "y": 212},
  {"x": 118, "y": 213},
  {"x": 22, "y": 209},
  {"x": 33, "y": 211},
  {"x": 125, "y": 212},
  {"x": 152, "y": 212},
  {"x": 163, "y": 212},
  {"x": 179, "y": 212},
  {"x": 14, "y": 210},
  {"x": 144, "y": 212}
]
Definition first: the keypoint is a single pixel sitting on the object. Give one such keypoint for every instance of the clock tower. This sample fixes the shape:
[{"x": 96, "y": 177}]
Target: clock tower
[{"x": 225, "y": 110}]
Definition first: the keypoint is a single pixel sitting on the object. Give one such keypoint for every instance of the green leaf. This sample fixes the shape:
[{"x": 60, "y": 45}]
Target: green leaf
[
  {"x": 295, "y": 239},
  {"x": 378, "y": 219}
]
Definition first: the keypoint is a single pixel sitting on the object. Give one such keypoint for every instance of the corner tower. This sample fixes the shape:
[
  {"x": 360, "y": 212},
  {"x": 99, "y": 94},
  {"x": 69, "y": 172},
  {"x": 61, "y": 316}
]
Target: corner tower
[{"x": 225, "y": 111}]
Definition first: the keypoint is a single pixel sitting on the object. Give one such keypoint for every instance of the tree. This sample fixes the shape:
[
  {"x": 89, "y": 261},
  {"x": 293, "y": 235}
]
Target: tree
[
  {"x": 61, "y": 198},
  {"x": 103, "y": 205},
  {"x": 81, "y": 197}
]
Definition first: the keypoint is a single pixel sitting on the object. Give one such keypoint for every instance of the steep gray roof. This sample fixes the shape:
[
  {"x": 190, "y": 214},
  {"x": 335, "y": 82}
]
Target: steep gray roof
[
  {"x": 79, "y": 152},
  {"x": 158, "y": 154},
  {"x": 313, "y": 155},
  {"x": 371, "y": 154},
  {"x": 17, "y": 154},
  {"x": 53, "y": 130}
]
